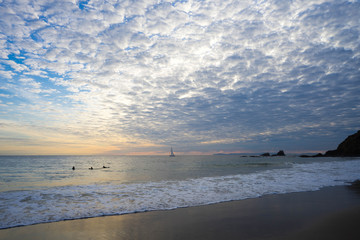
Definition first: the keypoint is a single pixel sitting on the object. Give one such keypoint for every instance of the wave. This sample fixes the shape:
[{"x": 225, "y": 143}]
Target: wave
[{"x": 18, "y": 208}]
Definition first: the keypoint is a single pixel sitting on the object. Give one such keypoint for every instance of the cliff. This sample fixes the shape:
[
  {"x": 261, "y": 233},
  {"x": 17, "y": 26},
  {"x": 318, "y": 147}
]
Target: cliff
[{"x": 350, "y": 147}]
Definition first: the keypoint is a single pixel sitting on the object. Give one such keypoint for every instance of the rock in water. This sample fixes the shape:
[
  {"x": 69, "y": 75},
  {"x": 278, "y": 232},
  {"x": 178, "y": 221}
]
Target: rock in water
[
  {"x": 350, "y": 147},
  {"x": 280, "y": 153}
]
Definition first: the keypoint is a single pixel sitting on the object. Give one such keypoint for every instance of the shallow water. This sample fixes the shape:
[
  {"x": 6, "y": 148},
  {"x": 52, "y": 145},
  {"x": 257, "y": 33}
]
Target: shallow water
[{"x": 36, "y": 189}]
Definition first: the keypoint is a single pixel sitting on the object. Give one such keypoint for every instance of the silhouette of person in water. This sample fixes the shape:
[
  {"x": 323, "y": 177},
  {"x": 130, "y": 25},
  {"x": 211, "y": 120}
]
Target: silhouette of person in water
[
  {"x": 91, "y": 168},
  {"x": 73, "y": 168}
]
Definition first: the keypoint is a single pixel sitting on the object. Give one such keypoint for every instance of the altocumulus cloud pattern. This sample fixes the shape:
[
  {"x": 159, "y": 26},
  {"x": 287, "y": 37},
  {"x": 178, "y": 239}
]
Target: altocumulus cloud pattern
[{"x": 137, "y": 76}]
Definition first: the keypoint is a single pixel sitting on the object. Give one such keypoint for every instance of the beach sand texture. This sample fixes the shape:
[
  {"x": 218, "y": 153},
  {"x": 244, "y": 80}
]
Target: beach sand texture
[{"x": 330, "y": 213}]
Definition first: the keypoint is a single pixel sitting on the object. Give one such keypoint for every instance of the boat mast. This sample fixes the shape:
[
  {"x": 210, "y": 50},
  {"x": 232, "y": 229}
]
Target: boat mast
[{"x": 172, "y": 153}]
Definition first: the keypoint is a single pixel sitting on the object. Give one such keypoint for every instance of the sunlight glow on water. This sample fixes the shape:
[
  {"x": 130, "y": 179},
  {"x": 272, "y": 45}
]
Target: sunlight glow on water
[{"x": 43, "y": 189}]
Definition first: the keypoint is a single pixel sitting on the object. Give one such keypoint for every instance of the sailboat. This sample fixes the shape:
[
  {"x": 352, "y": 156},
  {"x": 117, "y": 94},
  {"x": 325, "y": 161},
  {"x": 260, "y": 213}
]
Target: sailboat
[{"x": 171, "y": 153}]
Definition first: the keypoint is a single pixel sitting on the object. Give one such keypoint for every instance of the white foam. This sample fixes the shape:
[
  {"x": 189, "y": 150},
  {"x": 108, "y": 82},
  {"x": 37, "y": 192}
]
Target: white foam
[{"x": 73, "y": 202}]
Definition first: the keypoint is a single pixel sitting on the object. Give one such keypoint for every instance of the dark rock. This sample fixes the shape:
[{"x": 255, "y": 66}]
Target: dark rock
[
  {"x": 332, "y": 153},
  {"x": 355, "y": 186},
  {"x": 280, "y": 153},
  {"x": 265, "y": 154},
  {"x": 318, "y": 155},
  {"x": 350, "y": 147},
  {"x": 308, "y": 156},
  {"x": 356, "y": 183}
]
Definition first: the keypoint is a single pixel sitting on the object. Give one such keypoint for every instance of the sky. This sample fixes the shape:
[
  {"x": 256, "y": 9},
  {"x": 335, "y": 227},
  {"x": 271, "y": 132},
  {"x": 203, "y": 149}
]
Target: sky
[{"x": 140, "y": 76}]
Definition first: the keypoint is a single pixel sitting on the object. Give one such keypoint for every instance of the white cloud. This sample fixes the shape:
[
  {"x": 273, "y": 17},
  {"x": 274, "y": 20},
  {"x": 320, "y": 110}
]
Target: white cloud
[
  {"x": 211, "y": 70},
  {"x": 15, "y": 66},
  {"x": 6, "y": 74}
]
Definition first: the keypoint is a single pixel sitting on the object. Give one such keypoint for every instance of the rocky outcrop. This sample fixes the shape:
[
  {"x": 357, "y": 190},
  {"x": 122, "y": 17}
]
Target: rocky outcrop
[
  {"x": 350, "y": 147},
  {"x": 316, "y": 155},
  {"x": 280, "y": 153},
  {"x": 355, "y": 186}
]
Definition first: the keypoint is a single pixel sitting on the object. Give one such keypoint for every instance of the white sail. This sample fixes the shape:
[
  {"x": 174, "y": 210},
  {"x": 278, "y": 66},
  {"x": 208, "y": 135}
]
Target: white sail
[{"x": 172, "y": 153}]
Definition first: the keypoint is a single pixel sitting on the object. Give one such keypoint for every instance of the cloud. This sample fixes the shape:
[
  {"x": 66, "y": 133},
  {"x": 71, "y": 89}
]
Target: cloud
[{"x": 205, "y": 74}]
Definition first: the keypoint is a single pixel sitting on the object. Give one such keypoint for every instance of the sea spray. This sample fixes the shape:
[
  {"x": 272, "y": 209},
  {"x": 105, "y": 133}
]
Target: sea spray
[{"x": 82, "y": 201}]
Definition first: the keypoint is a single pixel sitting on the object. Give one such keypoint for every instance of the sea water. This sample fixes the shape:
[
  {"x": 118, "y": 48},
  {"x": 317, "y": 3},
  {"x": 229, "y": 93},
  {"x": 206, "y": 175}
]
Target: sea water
[{"x": 38, "y": 189}]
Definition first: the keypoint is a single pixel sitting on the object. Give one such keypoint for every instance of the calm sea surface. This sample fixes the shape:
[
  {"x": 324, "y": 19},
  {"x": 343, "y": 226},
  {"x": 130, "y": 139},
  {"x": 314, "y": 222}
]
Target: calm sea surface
[{"x": 37, "y": 189}]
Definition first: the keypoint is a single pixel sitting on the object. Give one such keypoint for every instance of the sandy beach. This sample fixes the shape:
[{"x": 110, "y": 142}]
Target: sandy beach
[{"x": 330, "y": 213}]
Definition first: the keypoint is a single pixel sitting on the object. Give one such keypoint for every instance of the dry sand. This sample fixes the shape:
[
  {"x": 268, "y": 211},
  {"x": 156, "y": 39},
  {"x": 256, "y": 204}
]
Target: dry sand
[{"x": 330, "y": 213}]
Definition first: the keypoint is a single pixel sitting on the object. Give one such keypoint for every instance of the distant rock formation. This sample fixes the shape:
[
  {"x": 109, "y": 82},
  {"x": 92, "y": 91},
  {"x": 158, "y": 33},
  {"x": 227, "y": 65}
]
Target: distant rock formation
[
  {"x": 316, "y": 155},
  {"x": 350, "y": 147},
  {"x": 280, "y": 153}
]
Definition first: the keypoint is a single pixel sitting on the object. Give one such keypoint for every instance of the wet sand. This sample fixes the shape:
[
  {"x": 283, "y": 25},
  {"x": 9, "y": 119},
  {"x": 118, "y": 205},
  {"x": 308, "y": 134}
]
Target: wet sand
[{"x": 330, "y": 213}]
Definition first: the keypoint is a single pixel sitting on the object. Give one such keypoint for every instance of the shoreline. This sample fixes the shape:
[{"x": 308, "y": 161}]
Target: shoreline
[
  {"x": 276, "y": 216},
  {"x": 323, "y": 214}
]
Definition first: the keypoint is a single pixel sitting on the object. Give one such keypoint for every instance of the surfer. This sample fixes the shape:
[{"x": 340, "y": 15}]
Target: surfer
[
  {"x": 73, "y": 168},
  {"x": 91, "y": 168}
]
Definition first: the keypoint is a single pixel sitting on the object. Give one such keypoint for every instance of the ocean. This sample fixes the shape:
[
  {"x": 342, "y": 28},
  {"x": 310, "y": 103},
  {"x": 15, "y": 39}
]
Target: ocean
[{"x": 39, "y": 189}]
